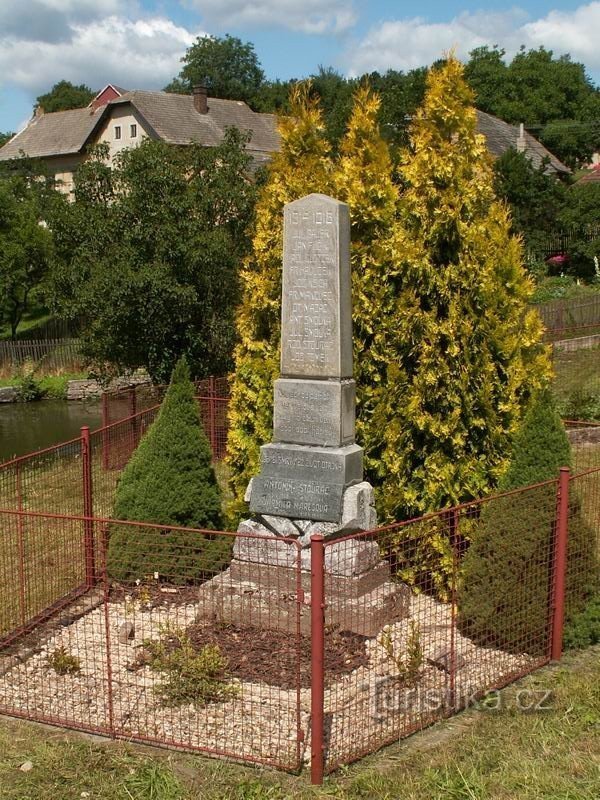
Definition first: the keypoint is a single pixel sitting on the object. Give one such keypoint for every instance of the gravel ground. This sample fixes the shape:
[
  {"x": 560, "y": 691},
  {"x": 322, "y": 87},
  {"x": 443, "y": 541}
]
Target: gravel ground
[{"x": 363, "y": 709}]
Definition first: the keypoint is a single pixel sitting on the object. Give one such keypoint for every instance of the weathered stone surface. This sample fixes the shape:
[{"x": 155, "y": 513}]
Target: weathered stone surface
[
  {"x": 339, "y": 465},
  {"x": 347, "y": 557},
  {"x": 358, "y": 514},
  {"x": 262, "y": 546},
  {"x": 316, "y": 309},
  {"x": 231, "y": 601},
  {"x": 314, "y": 412},
  {"x": 282, "y": 526},
  {"x": 301, "y": 499},
  {"x": 126, "y": 632},
  {"x": 9, "y": 394},
  {"x": 285, "y": 579}
]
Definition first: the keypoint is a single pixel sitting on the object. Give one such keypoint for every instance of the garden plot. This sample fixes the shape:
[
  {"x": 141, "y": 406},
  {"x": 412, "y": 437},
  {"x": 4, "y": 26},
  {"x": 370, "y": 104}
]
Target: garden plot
[{"x": 114, "y": 689}]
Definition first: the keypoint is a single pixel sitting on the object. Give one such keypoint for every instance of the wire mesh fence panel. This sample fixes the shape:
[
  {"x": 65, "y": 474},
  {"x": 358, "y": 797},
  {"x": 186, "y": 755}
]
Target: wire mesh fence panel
[
  {"x": 187, "y": 638},
  {"x": 49, "y": 480},
  {"x": 426, "y": 619},
  {"x": 213, "y": 412},
  {"x": 42, "y": 565},
  {"x": 111, "y": 449},
  {"x": 54, "y": 665}
]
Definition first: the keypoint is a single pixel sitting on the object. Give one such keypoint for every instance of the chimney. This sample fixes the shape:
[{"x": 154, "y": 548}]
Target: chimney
[
  {"x": 200, "y": 95},
  {"x": 38, "y": 111},
  {"x": 521, "y": 139}
]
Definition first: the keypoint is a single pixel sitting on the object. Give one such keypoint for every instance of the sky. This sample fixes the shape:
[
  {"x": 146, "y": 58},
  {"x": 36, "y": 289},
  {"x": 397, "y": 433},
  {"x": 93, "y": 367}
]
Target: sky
[{"x": 138, "y": 44}]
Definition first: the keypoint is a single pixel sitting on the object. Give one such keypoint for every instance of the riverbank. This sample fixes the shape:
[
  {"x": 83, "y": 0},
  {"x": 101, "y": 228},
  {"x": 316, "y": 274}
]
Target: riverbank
[{"x": 70, "y": 386}]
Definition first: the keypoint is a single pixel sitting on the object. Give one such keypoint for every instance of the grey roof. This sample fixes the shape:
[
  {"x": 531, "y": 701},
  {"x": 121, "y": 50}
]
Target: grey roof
[
  {"x": 501, "y": 136},
  {"x": 171, "y": 117},
  {"x": 175, "y": 120},
  {"x": 56, "y": 134}
]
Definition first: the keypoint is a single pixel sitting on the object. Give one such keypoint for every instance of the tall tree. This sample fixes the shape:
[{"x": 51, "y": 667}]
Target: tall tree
[
  {"x": 4, "y": 137},
  {"x": 581, "y": 218},
  {"x": 148, "y": 254},
  {"x": 301, "y": 166},
  {"x": 228, "y": 67},
  {"x": 553, "y": 96},
  {"x": 25, "y": 246},
  {"x": 64, "y": 96},
  {"x": 363, "y": 178},
  {"x": 465, "y": 352},
  {"x": 536, "y": 199}
]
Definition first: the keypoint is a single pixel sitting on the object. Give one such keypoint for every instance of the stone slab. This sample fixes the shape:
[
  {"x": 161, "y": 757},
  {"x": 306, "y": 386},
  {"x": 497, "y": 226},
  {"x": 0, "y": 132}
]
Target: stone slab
[
  {"x": 285, "y": 579},
  {"x": 229, "y": 600},
  {"x": 314, "y": 412},
  {"x": 316, "y": 338},
  {"x": 342, "y": 466},
  {"x": 301, "y": 499}
]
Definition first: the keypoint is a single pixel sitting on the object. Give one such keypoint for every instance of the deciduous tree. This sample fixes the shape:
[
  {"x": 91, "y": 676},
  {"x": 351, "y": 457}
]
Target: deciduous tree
[
  {"x": 227, "y": 66},
  {"x": 148, "y": 255},
  {"x": 64, "y": 96}
]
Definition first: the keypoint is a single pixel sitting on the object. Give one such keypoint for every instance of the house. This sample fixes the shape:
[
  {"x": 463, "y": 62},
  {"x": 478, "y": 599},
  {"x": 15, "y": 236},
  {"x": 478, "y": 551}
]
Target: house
[
  {"x": 501, "y": 136},
  {"x": 122, "y": 118}
]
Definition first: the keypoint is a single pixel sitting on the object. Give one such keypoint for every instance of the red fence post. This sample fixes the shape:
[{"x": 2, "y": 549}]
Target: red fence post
[
  {"x": 317, "y": 646},
  {"x": 560, "y": 563},
  {"x": 88, "y": 508},
  {"x": 105, "y": 437}
]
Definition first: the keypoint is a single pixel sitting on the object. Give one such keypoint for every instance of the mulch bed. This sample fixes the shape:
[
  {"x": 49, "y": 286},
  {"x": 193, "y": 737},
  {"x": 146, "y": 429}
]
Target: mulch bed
[
  {"x": 273, "y": 657},
  {"x": 154, "y": 595}
]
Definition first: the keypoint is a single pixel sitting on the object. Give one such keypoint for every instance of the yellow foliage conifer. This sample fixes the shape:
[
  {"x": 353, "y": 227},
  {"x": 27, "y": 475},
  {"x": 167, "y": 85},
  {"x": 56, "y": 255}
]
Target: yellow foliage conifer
[
  {"x": 466, "y": 351},
  {"x": 301, "y": 166}
]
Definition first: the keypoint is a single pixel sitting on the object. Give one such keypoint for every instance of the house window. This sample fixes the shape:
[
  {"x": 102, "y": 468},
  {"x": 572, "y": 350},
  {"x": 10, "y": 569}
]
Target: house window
[
  {"x": 117, "y": 131},
  {"x": 133, "y": 130}
]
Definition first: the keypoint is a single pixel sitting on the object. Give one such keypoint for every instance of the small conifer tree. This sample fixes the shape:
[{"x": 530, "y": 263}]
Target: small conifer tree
[
  {"x": 506, "y": 578},
  {"x": 169, "y": 481},
  {"x": 301, "y": 166}
]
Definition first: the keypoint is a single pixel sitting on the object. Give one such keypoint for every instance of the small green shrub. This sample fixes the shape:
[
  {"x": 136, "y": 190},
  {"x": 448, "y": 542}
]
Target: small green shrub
[
  {"x": 29, "y": 389},
  {"x": 583, "y": 629},
  {"x": 506, "y": 575},
  {"x": 169, "y": 481},
  {"x": 191, "y": 676},
  {"x": 582, "y": 405},
  {"x": 408, "y": 665},
  {"x": 63, "y": 663}
]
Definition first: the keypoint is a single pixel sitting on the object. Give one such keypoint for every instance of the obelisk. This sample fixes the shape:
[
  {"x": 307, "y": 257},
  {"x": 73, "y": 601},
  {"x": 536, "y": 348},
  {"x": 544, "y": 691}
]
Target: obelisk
[{"x": 313, "y": 458}]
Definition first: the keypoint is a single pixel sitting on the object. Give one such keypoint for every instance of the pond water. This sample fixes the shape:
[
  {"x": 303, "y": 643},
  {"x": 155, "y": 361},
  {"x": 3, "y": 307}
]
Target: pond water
[{"x": 25, "y": 427}]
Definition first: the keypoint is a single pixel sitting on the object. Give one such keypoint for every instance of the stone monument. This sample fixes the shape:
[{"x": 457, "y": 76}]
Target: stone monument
[{"x": 311, "y": 474}]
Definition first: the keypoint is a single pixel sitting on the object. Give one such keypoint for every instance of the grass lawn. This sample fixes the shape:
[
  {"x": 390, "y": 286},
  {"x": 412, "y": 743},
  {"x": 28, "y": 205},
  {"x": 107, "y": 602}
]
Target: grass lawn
[{"x": 496, "y": 752}]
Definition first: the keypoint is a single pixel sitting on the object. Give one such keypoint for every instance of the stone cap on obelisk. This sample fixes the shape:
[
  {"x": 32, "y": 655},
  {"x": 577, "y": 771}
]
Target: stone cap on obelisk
[{"x": 316, "y": 316}]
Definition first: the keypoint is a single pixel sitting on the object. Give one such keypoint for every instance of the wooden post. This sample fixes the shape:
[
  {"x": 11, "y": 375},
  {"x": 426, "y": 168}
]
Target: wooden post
[{"x": 560, "y": 563}]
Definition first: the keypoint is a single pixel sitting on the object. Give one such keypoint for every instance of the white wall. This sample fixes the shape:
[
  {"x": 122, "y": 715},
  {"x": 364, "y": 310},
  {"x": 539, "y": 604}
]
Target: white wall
[{"x": 122, "y": 116}]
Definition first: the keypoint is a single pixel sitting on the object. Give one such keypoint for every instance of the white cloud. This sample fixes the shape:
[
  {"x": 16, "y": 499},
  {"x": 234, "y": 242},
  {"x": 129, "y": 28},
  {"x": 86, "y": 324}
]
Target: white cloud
[
  {"x": 142, "y": 53},
  {"x": 413, "y": 42},
  {"x": 308, "y": 16}
]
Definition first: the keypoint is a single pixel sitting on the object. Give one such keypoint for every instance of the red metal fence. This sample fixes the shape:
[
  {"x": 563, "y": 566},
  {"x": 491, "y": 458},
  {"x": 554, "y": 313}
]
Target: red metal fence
[{"x": 254, "y": 647}]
